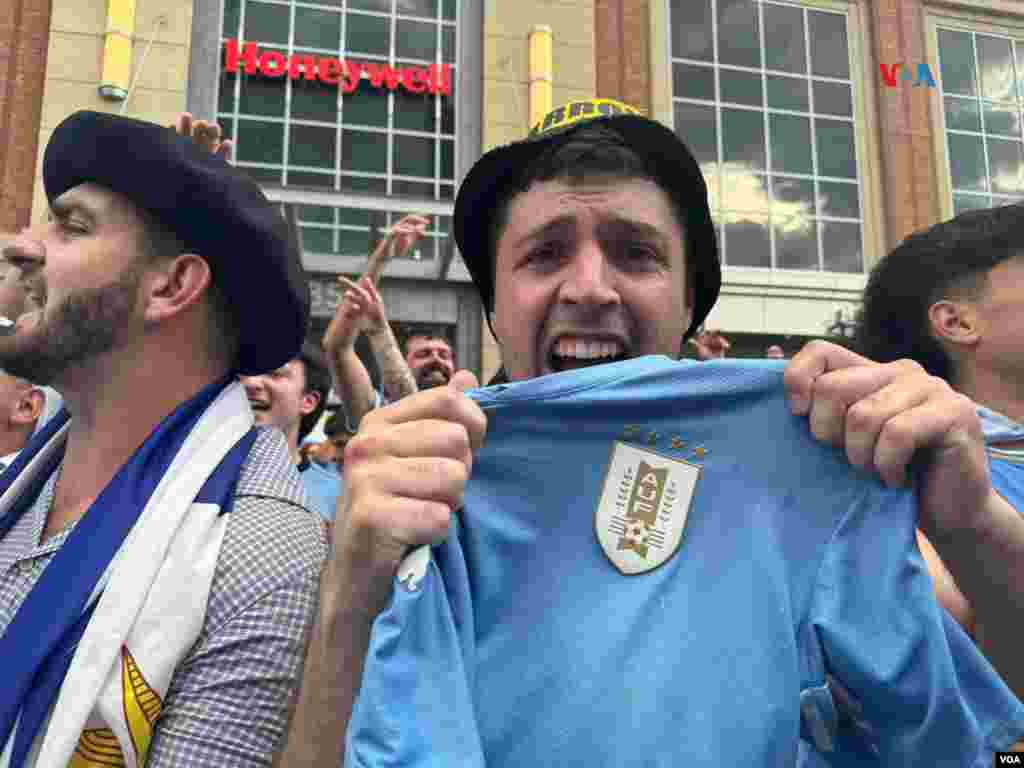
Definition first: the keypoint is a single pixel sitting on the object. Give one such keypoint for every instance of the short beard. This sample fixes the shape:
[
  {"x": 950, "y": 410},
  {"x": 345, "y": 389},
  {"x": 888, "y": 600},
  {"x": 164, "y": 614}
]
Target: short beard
[
  {"x": 84, "y": 326},
  {"x": 423, "y": 380}
]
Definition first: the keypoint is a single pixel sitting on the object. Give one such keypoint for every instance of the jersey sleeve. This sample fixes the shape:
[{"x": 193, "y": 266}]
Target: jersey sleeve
[
  {"x": 910, "y": 687},
  {"x": 415, "y": 707}
]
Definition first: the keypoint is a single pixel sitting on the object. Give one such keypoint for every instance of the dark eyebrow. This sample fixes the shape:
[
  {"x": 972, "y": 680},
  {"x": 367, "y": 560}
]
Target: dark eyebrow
[
  {"x": 560, "y": 222},
  {"x": 61, "y": 209},
  {"x": 639, "y": 229}
]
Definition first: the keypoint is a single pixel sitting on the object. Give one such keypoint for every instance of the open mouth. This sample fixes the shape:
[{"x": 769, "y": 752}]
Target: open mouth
[
  {"x": 569, "y": 354},
  {"x": 259, "y": 406}
]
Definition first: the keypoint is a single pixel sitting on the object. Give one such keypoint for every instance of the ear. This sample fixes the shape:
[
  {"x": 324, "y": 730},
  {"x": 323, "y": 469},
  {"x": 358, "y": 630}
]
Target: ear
[
  {"x": 310, "y": 400},
  {"x": 955, "y": 322},
  {"x": 28, "y": 407},
  {"x": 175, "y": 285}
]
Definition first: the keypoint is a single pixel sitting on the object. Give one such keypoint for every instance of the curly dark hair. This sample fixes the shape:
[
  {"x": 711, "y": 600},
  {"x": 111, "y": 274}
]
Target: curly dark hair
[
  {"x": 950, "y": 260},
  {"x": 317, "y": 379}
]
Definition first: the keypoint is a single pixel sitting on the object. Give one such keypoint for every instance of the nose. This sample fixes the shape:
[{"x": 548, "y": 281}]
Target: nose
[
  {"x": 253, "y": 384},
  {"x": 589, "y": 281}
]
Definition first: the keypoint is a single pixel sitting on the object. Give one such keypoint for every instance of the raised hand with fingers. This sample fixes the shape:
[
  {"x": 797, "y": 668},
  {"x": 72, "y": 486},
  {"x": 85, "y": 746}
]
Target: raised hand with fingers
[
  {"x": 205, "y": 135},
  {"x": 400, "y": 238}
]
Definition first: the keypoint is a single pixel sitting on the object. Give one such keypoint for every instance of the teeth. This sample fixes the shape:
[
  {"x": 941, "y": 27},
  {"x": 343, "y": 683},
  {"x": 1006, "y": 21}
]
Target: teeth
[{"x": 586, "y": 350}]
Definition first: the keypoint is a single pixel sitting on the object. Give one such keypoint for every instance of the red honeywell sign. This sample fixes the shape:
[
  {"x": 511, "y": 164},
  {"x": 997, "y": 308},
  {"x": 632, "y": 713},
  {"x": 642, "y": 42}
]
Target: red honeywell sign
[{"x": 346, "y": 74}]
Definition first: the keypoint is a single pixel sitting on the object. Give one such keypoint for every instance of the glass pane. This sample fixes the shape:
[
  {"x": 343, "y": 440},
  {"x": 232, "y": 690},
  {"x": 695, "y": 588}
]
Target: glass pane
[
  {"x": 232, "y": 15},
  {"x": 311, "y": 146},
  {"x": 743, "y": 138},
  {"x": 966, "y": 162},
  {"x": 833, "y": 98},
  {"x": 787, "y": 93},
  {"x": 416, "y": 40},
  {"x": 693, "y": 82},
  {"x": 450, "y": 9},
  {"x": 784, "y": 38},
  {"x": 695, "y": 125},
  {"x": 427, "y": 8},
  {"x": 412, "y": 188},
  {"x": 791, "y": 143},
  {"x": 841, "y": 246},
  {"x": 362, "y": 151},
  {"x": 995, "y": 64},
  {"x": 836, "y": 153},
  {"x": 316, "y": 214},
  {"x": 264, "y": 175},
  {"x": 365, "y": 106},
  {"x": 414, "y": 111},
  {"x": 956, "y": 62},
  {"x": 447, "y": 192},
  {"x": 448, "y": 44},
  {"x": 317, "y": 29},
  {"x": 792, "y": 202},
  {"x": 259, "y": 142},
  {"x": 312, "y": 100},
  {"x": 352, "y": 242},
  {"x": 1003, "y": 119},
  {"x": 963, "y": 203},
  {"x": 1018, "y": 46},
  {"x": 371, "y": 186},
  {"x": 262, "y": 96},
  {"x": 317, "y": 240},
  {"x": 796, "y": 242},
  {"x": 1005, "y": 165},
  {"x": 690, "y": 21},
  {"x": 741, "y": 87},
  {"x": 838, "y": 199},
  {"x": 266, "y": 23},
  {"x": 747, "y": 243},
  {"x": 745, "y": 194},
  {"x": 310, "y": 179},
  {"x": 447, "y": 159},
  {"x": 962, "y": 114},
  {"x": 226, "y": 93},
  {"x": 367, "y": 34},
  {"x": 371, "y": 5},
  {"x": 354, "y": 217},
  {"x": 227, "y": 127},
  {"x": 738, "y": 37},
  {"x": 413, "y": 156},
  {"x": 447, "y": 115},
  {"x": 830, "y": 54}
]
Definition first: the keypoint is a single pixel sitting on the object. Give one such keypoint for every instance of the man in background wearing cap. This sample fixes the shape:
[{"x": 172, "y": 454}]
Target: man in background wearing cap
[
  {"x": 158, "y": 566},
  {"x": 591, "y": 243}
]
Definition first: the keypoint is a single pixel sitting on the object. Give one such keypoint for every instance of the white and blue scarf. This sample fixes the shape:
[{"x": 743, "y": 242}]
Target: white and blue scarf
[{"x": 90, "y": 653}]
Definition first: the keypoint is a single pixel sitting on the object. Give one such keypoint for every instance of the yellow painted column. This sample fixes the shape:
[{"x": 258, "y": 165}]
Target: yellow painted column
[
  {"x": 540, "y": 72},
  {"x": 117, "y": 50}
]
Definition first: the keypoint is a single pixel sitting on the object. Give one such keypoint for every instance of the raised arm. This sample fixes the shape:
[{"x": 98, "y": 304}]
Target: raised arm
[{"x": 348, "y": 374}]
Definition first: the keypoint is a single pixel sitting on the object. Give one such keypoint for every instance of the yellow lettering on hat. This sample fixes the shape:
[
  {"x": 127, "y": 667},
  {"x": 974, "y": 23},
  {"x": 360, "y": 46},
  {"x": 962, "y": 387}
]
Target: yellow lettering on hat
[{"x": 578, "y": 111}]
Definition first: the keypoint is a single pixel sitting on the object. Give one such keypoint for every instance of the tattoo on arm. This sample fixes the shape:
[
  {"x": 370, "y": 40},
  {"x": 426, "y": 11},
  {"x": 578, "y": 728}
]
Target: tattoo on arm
[{"x": 396, "y": 377}]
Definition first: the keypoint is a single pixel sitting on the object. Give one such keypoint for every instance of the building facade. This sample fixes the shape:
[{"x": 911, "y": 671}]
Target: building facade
[{"x": 827, "y": 129}]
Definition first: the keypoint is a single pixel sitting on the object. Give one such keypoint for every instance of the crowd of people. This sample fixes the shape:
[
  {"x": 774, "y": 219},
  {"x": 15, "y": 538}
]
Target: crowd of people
[{"x": 627, "y": 548}]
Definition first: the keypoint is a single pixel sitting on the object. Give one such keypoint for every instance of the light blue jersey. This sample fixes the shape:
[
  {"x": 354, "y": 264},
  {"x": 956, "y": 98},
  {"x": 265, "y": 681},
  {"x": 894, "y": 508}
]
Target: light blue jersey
[{"x": 567, "y": 622}]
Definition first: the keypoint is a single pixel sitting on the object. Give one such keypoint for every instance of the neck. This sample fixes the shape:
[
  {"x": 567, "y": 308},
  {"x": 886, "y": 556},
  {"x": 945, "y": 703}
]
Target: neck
[
  {"x": 13, "y": 439},
  {"x": 115, "y": 403},
  {"x": 994, "y": 391}
]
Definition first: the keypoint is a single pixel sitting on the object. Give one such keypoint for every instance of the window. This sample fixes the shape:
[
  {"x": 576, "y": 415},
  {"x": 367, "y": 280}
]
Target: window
[
  {"x": 762, "y": 93},
  {"x": 981, "y": 79},
  {"x": 346, "y": 231},
  {"x": 394, "y": 134}
]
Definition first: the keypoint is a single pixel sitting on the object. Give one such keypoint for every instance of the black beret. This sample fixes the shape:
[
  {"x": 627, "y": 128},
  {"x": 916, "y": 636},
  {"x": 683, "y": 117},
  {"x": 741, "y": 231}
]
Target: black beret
[{"x": 215, "y": 209}]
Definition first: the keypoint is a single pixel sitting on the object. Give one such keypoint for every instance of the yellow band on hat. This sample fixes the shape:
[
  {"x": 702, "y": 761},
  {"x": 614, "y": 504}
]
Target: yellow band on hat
[{"x": 578, "y": 111}]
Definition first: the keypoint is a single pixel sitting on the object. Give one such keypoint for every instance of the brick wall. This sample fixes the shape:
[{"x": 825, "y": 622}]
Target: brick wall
[{"x": 24, "y": 36}]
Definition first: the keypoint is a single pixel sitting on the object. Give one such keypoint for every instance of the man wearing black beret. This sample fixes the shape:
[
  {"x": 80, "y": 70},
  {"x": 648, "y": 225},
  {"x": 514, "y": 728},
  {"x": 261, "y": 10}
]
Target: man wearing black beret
[{"x": 158, "y": 562}]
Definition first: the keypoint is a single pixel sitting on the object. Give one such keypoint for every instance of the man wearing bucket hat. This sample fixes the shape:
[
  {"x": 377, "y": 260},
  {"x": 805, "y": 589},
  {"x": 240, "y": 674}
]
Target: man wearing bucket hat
[
  {"x": 158, "y": 563},
  {"x": 514, "y": 640}
]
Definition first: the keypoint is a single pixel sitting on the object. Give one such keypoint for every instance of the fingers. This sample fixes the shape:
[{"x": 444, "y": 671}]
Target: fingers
[
  {"x": 463, "y": 380},
  {"x": 815, "y": 359},
  {"x": 184, "y": 126},
  {"x": 918, "y": 428},
  {"x": 224, "y": 150},
  {"x": 441, "y": 403}
]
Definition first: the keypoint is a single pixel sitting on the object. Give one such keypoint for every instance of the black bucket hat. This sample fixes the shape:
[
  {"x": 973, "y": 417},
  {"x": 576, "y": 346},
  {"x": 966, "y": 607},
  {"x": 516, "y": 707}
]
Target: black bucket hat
[
  {"x": 217, "y": 211},
  {"x": 493, "y": 179}
]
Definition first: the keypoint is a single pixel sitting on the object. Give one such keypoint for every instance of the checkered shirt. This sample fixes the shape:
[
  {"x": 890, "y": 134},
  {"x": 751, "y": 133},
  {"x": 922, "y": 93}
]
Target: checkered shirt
[{"x": 228, "y": 701}]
